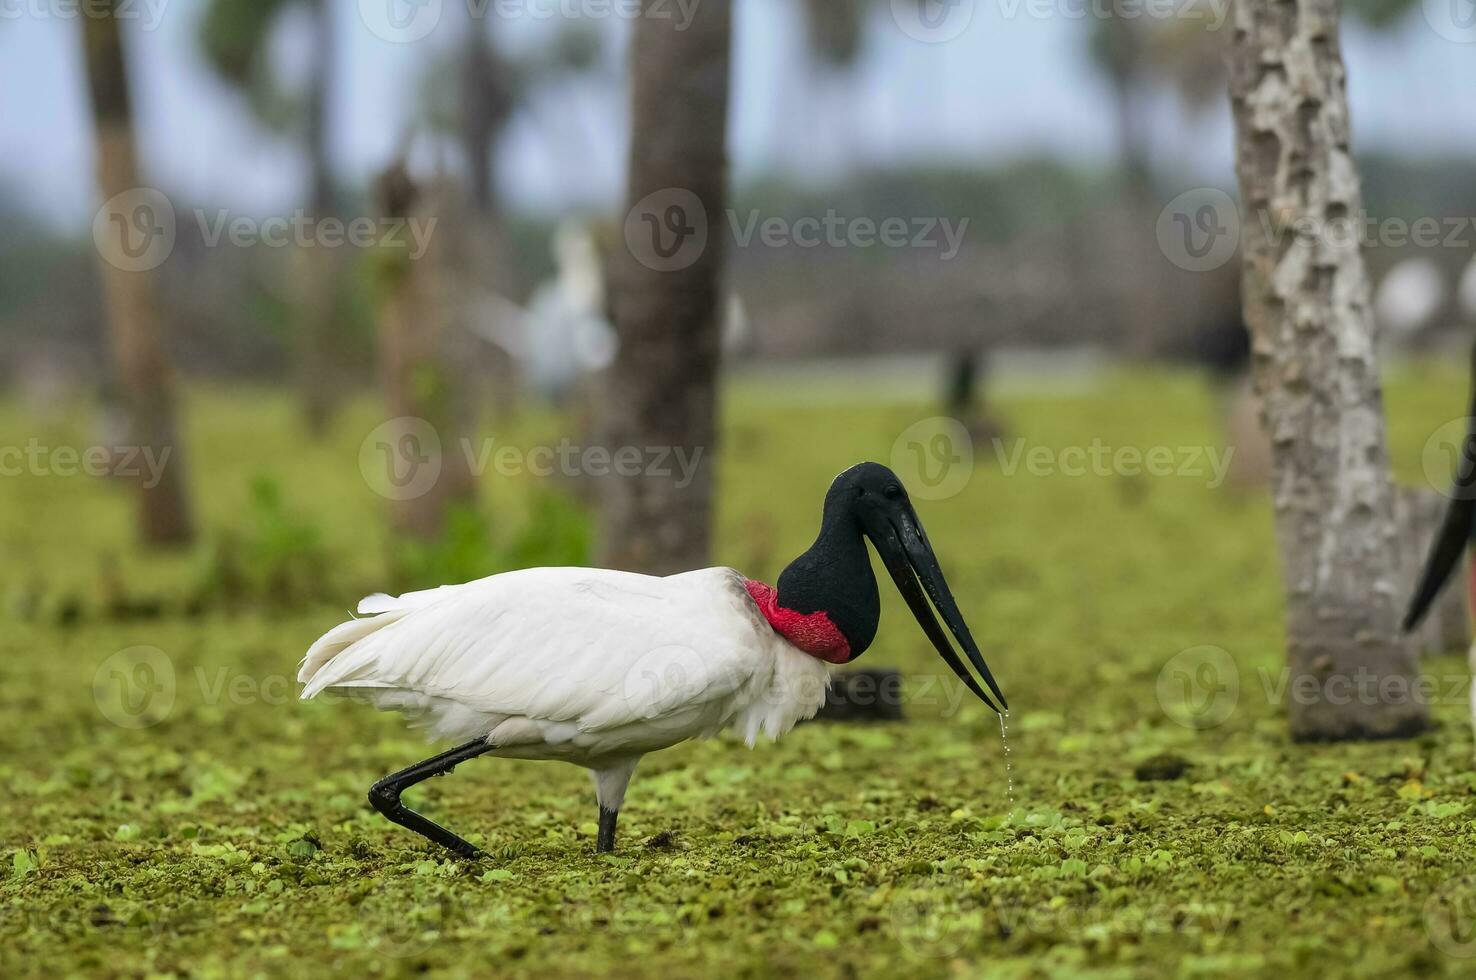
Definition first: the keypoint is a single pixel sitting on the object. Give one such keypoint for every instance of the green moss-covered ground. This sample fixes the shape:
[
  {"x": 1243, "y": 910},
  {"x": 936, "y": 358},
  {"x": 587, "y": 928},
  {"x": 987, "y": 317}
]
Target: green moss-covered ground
[{"x": 229, "y": 835}]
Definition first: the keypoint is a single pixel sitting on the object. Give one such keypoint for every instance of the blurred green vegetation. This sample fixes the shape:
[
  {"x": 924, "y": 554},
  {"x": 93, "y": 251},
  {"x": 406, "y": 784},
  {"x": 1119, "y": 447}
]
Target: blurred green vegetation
[{"x": 230, "y": 836}]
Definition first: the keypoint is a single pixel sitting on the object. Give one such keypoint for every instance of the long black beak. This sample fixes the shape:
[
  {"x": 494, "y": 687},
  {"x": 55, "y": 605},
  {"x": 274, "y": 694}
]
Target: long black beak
[
  {"x": 1454, "y": 535},
  {"x": 1455, "y": 531},
  {"x": 905, "y": 550}
]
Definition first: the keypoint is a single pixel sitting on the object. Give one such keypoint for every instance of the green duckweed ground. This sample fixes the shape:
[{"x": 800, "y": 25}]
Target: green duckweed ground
[{"x": 230, "y": 835}]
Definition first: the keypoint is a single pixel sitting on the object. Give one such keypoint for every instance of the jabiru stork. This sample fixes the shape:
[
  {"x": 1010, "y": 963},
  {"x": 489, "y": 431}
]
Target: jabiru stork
[
  {"x": 1458, "y": 529},
  {"x": 599, "y": 667}
]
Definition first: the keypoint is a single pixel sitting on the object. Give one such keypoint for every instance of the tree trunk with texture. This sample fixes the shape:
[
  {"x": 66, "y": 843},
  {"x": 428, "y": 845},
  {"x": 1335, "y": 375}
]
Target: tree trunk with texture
[
  {"x": 423, "y": 343},
  {"x": 145, "y": 378},
  {"x": 661, "y": 398},
  {"x": 1307, "y": 303}
]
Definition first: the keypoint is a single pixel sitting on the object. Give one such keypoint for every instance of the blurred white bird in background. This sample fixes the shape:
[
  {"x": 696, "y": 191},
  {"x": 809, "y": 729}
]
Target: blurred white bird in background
[
  {"x": 1410, "y": 296},
  {"x": 563, "y": 335}
]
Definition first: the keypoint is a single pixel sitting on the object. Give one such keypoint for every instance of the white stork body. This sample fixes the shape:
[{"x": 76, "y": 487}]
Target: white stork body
[
  {"x": 598, "y": 667},
  {"x": 581, "y": 665}
]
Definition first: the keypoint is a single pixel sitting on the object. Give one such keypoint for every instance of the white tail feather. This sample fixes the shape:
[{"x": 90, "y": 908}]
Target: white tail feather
[
  {"x": 381, "y": 610},
  {"x": 336, "y": 641}
]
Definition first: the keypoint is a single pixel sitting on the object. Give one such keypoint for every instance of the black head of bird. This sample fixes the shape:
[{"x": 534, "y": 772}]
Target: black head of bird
[{"x": 834, "y": 576}]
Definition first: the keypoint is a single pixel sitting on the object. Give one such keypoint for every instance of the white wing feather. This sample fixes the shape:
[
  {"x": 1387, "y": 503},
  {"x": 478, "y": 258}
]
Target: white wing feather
[{"x": 575, "y": 651}]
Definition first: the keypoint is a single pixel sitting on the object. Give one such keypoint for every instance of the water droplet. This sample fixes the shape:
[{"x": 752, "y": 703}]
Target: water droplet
[{"x": 1009, "y": 766}]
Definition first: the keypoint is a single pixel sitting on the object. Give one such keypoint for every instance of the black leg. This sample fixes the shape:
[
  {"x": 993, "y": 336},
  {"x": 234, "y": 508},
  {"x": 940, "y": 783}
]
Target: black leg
[
  {"x": 605, "y": 844},
  {"x": 384, "y": 796}
]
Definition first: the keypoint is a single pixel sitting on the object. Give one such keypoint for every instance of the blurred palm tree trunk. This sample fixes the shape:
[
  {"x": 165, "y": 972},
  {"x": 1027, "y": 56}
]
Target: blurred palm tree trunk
[
  {"x": 134, "y": 321},
  {"x": 1307, "y": 304},
  {"x": 1125, "y": 59},
  {"x": 1118, "y": 47},
  {"x": 319, "y": 268},
  {"x": 665, "y": 305},
  {"x": 485, "y": 110},
  {"x": 486, "y": 106},
  {"x": 422, "y": 350}
]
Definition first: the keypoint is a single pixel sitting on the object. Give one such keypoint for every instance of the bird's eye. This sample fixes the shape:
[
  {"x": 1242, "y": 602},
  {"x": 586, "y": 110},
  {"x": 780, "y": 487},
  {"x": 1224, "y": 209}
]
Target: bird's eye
[
  {"x": 860, "y": 491},
  {"x": 893, "y": 492}
]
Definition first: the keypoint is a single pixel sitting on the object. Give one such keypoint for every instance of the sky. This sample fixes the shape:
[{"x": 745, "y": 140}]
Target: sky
[{"x": 1004, "y": 79}]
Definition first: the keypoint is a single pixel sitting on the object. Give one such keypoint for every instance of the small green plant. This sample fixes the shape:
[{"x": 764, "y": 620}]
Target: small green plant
[
  {"x": 557, "y": 532},
  {"x": 460, "y": 553},
  {"x": 275, "y": 558}
]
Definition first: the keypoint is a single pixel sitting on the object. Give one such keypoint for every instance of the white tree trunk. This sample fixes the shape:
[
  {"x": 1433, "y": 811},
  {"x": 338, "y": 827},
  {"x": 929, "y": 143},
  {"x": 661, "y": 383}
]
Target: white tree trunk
[{"x": 1307, "y": 303}]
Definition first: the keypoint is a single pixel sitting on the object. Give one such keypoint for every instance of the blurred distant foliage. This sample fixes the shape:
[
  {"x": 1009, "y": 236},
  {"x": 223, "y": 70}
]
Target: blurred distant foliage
[
  {"x": 1016, "y": 198},
  {"x": 274, "y": 557},
  {"x": 235, "y": 36},
  {"x": 477, "y": 94},
  {"x": 271, "y": 557},
  {"x": 1188, "y": 55},
  {"x": 1380, "y": 14},
  {"x": 556, "y": 531},
  {"x": 462, "y": 553},
  {"x": 510, "y": 80},
  {"x": 835, "y": 29},
  {"x": 238, "y": 302}
]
